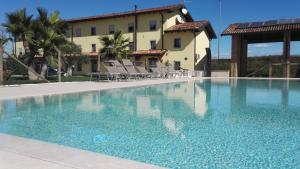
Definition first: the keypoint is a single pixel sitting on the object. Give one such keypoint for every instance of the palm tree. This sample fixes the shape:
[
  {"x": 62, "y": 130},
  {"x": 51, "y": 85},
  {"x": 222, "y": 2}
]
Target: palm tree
[
  {"x": 3, "y": 41},
  {"x": 40, "y": 36},
  {"x": 18, "y": 24},
  {"x": 47, "y": 33},
  {"x": 115, "y": 47}
]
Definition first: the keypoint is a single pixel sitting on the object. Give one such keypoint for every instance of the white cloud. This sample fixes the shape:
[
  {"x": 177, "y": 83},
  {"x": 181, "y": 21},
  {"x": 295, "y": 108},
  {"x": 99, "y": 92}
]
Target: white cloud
[{"x": 262, "y": 45}]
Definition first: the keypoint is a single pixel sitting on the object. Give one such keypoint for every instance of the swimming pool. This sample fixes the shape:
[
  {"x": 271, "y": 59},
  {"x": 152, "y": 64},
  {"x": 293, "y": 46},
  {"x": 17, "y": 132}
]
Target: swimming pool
[{"x": 202, "y": 124}]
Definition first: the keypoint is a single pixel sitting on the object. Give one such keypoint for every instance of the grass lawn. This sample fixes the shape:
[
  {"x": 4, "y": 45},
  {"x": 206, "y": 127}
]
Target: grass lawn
[
  {"x": 72, "y": 79},
  {"x": 14, "y": 81}
]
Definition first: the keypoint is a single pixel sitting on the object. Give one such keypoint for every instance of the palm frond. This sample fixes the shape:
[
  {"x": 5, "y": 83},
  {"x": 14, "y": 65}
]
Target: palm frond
[
  {"x": 115, "y": 46},
  {"x": 4, "y": 40},
  {"x": 43, "y": 16}
]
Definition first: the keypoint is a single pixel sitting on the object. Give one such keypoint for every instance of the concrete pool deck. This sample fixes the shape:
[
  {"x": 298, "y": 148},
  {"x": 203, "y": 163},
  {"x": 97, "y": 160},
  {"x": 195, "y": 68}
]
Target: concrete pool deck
[{"x": 23, "y": 153}]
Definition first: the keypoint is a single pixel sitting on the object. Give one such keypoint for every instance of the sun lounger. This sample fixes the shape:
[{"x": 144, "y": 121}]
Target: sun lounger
[
  {"x": 159, "y": 71},
  {"x": 163, "y": 69},
  {"x": 131, "y": 69},
  {"x": 121, "y": 69},
  {"x": 171, "y": 72},
  {"x": 112, "y": 71},
  {"x": 141, "y": 69}
]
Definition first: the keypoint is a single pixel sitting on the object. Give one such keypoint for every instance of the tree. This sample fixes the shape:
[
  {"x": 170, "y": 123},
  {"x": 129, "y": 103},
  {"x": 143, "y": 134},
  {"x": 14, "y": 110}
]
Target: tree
[
  {"x": 3, "y": 41},
  {"x": 71, "y": 55},
  {"x": 47, "y": 32},
  {"x": 115, "y": 47},
  {"x": 39, "y": 35},
  {"x": 18, "y": 24}
]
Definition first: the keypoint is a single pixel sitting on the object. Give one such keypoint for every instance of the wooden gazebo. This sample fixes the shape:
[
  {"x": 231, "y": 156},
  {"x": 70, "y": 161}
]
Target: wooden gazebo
[{"x": 284, "y": 30}]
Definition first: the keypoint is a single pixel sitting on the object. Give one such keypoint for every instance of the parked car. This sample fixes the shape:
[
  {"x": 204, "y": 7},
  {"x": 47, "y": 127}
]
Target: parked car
[{"x": 53, "y": 71}]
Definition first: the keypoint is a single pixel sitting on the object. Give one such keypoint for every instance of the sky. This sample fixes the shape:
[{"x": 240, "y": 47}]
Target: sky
[{"x": 232, "y": 11}]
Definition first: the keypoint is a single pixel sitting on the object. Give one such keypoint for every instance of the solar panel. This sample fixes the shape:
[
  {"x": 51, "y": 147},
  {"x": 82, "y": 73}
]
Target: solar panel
[
  {"x": 243, "y": 25},
  {"x": 269, "y": 23},
  {"x": 285, "y": 21},
  {"x": 256, "y": 24},
  {"x": 297, "y": 20}
]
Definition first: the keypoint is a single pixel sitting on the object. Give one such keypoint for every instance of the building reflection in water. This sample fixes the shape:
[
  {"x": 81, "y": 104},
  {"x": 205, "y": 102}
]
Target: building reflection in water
[
  {"x": 171, "y": 105},
  {"x": 90, "y": 103},
  {"x": 271, "y": 102},
  {"x": 262, "y": 93}
]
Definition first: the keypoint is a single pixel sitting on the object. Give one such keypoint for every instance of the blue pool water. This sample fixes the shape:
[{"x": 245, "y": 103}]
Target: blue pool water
[{"x": 224, "y": 124}]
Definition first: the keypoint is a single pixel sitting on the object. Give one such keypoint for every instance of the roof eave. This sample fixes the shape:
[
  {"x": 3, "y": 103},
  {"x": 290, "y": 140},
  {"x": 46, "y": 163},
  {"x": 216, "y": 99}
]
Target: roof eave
[
  {"x": 162, "y": 52},
  {"x": 233, "y": 29},
  {"x": 131, "y": 13},
  {"x": 182, "y": 30},
  {"x": 211, "y": 30},
  {"x": 205, "y": 26},
  {"x": 227, "y": 34}
]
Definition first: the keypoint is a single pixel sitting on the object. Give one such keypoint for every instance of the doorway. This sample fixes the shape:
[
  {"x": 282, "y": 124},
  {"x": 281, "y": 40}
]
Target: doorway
[{"x": 93, "y": 66}]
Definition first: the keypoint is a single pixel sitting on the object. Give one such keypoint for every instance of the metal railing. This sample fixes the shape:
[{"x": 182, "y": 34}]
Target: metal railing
[
  {"x": 26, "y": 67},
  {"x": 260, "y": 69},
  {"x": 270, "y": 66}
]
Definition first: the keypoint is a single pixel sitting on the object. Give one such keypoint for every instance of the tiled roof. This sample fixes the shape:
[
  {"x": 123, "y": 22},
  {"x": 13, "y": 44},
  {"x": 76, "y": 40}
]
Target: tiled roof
[
  {"x": 148, "y": 52},
  {"x": 261, "y": 27},
  {"x": 130, "y": 13},
  {"x": 193, "y": 26}
]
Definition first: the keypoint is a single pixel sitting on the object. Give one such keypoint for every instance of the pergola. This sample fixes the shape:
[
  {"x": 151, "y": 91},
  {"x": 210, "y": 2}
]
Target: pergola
[{"x": 284, "y": 30}]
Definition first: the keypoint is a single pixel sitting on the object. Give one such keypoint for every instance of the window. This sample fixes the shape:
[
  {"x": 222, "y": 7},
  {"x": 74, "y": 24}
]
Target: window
[
  {"x": 152, "y": 25},
  {"x": 79, "y": 67},
  {"x": 93, "y": 47},
  {"x": 131, "y": 46},
  {"x": 93, "y": 31},
  {"x": 152, "y": 62},
  {"x": 20, "y": 51},
  {"x": 130, "y": 27},
  {"x": 153, "y": 45},
  {"x": 177, "y": 43},
  {"x": 177, "y": 65},
  {"x": 78, "y": 32},
  {"x": 111, "y": 29}
]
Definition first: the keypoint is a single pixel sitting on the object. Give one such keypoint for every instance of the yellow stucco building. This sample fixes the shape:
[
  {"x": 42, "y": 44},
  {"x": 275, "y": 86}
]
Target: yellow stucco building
[{"x": 162, "y": 34}]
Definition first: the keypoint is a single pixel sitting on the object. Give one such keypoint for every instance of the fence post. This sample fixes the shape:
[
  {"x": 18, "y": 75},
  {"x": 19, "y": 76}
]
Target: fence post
[
  {"x": 59, "y": 63},
  {"x": 1, "y": 66},
  {"x": 270, "y": 70},
  {"x": 99, "y": 63}
]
